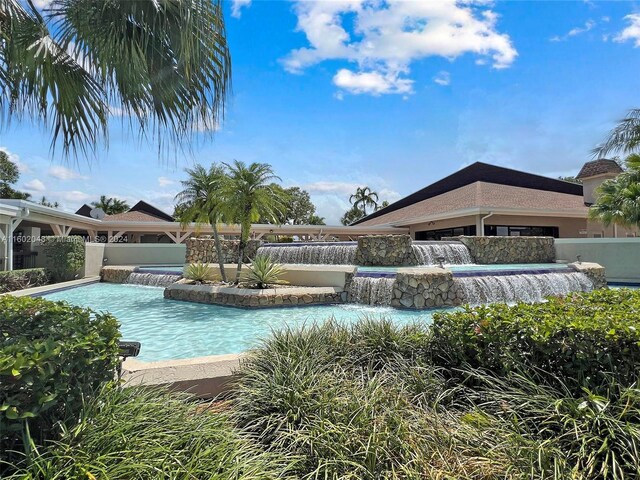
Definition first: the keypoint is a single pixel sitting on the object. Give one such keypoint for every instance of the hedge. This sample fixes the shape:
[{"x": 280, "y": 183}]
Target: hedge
[
  {"x": 52, "y": 357},
  {"x": 20, "y": 279},
  {"x": 65, "y": 256},
  {"x": 584, "y": 338}
]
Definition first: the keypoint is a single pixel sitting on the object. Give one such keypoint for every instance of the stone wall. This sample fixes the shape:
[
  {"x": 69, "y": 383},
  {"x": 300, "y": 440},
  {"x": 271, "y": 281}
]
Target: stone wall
[
  {"x": 425, "y": 288},
  {"x": 385, "y": 251},
  {"x": 203, "y": 250},
  {"x": 594, "y": 271},
  {"x": 115, "y": 274},
  {"x": 241, "y": 297},
  {"x": 493, "y": 250}
]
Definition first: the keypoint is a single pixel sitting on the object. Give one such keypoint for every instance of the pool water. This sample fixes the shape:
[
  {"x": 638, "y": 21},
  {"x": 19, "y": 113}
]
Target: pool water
[{"x": 170, "y": 329}]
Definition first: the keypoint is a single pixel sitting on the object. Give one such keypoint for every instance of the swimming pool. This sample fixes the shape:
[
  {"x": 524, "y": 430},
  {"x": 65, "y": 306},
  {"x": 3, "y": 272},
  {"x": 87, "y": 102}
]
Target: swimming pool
[{"x": 169, "y": 329}]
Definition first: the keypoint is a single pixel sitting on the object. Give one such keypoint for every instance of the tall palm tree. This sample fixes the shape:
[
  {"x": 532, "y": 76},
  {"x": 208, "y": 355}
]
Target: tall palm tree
[
  {"x": 200, "y": 201},
  {"x": 624, "y": 138},
  {"x": 363, "y": 198},
  {"x": 249, "y": 196},
  {"x": 111, "y": 205},
  {"x": 619, "y": 198},
  {"x": 162, "y": 65}
]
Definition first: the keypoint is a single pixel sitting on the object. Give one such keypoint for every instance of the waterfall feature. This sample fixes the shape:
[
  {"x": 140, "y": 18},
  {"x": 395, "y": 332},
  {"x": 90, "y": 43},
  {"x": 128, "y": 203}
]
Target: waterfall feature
[
  {"x": 335, "y": 253},
  {"x": 454, "y": 253},
  {"x": 152, "y": 279},
  {"x": 371, "y": 290},
  {"x": 528, "y": 288}
]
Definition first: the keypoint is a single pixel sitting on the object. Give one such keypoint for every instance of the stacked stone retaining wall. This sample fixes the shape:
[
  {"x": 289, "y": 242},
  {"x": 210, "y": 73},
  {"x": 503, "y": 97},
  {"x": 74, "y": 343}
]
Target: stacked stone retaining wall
[
  {"x": 115, "y": 274},
  {"x": 203, "y": 250},
  {"x": 425, "y": 288},
  {"x": 385, "y": 251},
  {"x": 249, "y": 298},
  {"x": 494, "y": 250}
]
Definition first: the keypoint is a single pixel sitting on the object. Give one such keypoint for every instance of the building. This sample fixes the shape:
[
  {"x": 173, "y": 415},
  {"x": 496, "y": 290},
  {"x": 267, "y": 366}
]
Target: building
[
  {"x": 484, "y": 199},
  {"x": 23, "y": 223}
]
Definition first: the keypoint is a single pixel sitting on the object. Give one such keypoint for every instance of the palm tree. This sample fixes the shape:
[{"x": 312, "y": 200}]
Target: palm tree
[
  {"x": 111, "y": 205},
  {"x": 163, "y": 66},
  {"x": 250, "y": 196},
  {"x": 363, "y": 198},
  {"x": 46, "y": 203},
  {"x": 619, "y": 198},
  {"x": 624, "y": 138},
  {"x": 200, "y": 201}
]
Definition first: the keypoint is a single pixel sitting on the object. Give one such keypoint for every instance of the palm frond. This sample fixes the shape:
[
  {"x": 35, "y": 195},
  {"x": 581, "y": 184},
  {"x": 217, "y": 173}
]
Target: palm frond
[{"x": 624, "y": 138}]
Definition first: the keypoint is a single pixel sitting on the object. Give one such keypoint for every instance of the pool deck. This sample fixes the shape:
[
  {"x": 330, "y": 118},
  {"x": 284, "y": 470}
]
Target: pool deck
[
  {"x": 55, "y": 287},
  {"x": 204, "y": 377}
]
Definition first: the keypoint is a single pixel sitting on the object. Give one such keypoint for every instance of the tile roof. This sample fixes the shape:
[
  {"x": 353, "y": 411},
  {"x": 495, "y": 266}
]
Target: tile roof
[
  {"x": 480, "y": 172},
  {"x": 599, "y": 167},
  {"x": 487, "y": 196}
]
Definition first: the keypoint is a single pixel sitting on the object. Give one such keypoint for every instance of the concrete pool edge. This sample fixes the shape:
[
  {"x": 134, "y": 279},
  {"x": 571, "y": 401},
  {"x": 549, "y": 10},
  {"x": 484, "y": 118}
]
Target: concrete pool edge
[
  {"x": 203, "y": 377},
  {"x": 54, "y": 287}
]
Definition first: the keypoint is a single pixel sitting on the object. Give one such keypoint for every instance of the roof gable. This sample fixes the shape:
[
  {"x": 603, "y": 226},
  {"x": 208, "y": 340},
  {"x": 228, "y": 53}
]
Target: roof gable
[
  {"x": 599, "y": 167},
  {"x": 481, "y": 172},
  {"x": 149, "y": 209}
]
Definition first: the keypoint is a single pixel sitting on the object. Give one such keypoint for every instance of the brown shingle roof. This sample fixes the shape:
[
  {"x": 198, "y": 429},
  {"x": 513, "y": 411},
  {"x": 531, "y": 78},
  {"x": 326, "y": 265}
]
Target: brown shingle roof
[
  {"x": 599, "y": 167},
  {"x": 133, "y": 216},
  {"x": 487, "y": 196}
]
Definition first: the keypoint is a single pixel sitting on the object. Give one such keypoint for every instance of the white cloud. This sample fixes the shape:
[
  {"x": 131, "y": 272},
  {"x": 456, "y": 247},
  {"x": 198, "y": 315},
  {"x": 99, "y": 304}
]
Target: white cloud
[
  {"x": 237, "y": 6},
  {"x": 42, "y": 3},
  {"x": 64, "y": 173},
  {"x": 632, "y": 32},
  {"x": 15, "y": 158},
  {"x": 343, "y": 188},
  {"x": 73, "y": 196},
  {"x": 589, "y": 24},
  {"x": 35, "y": 185},
  {"x": 442, "y": 78},
  {"x": 388, "y": 36},
  {"x": 164, "y": 181},
  {"x": 374, "y": 83}
]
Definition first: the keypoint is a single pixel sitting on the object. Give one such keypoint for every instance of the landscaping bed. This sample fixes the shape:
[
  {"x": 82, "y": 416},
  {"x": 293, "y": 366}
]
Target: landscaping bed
[{"x": 544, "y": 391}]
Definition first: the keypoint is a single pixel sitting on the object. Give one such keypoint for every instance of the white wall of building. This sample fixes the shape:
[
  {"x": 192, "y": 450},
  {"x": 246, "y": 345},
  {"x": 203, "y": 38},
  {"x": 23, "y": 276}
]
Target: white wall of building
[
  {"x": 619, "y": 256},
  {"x": 144, "y": 254}
]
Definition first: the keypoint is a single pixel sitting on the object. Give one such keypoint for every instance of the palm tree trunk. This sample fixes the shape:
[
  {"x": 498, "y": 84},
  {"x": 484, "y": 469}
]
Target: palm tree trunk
[
  {"x": 244, "y": 236},
  {"x": 216, "y": 239},
  {"x": 240, "y": 257}
]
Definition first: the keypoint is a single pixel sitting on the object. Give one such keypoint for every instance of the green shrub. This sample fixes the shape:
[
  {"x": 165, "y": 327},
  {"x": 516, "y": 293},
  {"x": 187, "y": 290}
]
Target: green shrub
[
  {"x": 13, "y": 280},
  {"x": 150, "y": 434},
  {"x": 65, "y": 256},
  {"x": 358, "y": 402},
  {"x": 263, "y": 272},
  {"x": 582, "y": 339},
  {"x": 52, "y": 357},
  {"x": 200, "y": 272}
]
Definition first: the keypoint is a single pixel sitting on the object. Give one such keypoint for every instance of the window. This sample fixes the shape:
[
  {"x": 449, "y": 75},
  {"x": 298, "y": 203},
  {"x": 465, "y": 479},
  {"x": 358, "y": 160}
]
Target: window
[
  {"x": 517, "y": 231},
  {"x": 446, "y": 232}
]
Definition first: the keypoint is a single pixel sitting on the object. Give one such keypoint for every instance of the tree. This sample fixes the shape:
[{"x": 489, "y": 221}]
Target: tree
[
  {"x": 111, "y": 205},
  {"x": 162, "y": 66},
  {"x": 624, "y": 138},
  {"x": 9, "y": 174},
  {"x": 354, "y": 214},
  {"x": 47, "y": 203},
  {"x": 618, "y": 199},
  {"x": 300, "y": 210},
  {"x": 363, "y": 198},
  {"x": 249, "y": 196},
  {"x": 201, "y": 201},
  {"x": 315, "y": 220},
  {"x": 384, "y": 204},
  {"x": 570, "y": 179}
]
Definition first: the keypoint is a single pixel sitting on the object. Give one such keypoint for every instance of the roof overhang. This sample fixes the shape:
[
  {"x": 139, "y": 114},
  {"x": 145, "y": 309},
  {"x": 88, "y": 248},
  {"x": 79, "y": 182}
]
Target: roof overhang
[{"x": 495, "y": 211}]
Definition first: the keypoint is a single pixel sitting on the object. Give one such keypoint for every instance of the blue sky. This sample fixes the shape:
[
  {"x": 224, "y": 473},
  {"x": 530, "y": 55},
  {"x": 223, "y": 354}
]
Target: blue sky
[{"x": 393, "y": 95}]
